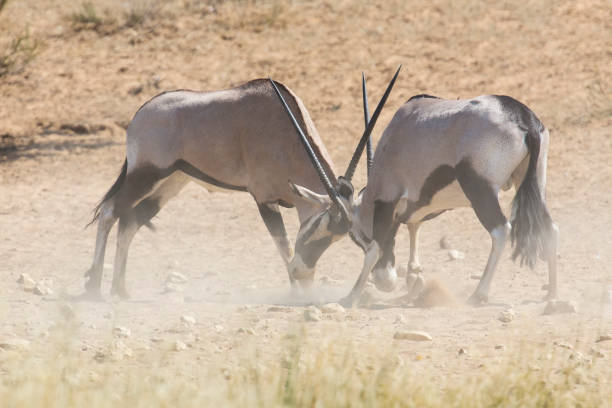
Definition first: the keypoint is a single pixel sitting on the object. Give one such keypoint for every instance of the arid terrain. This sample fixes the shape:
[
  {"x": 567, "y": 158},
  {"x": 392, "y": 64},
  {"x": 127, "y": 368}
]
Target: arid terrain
[{"x": 73, "y": 74}]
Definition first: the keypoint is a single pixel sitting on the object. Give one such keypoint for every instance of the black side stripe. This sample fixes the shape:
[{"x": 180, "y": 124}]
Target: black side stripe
[{"x": 194, "y": 172}]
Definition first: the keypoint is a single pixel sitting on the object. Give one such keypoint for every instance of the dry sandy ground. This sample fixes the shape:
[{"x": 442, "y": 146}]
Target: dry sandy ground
[{"x": 556, "y": 56}]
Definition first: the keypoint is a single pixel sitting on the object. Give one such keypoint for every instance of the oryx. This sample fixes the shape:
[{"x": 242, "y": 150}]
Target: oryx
[
  {"x": 436, "y": 155},
  {"x": 235, "y": 139}
]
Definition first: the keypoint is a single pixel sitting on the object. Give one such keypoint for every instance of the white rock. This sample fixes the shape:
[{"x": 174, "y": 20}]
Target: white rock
[
  {"x": 506, "y": 316},
  {"x": 179, "y": 346},
  {"x": 42, "y": 290},
  {"x": 27, "y": 283},
  {"x": 559, "y": 306},
  {"x": 14, "y": 344},
  {"x": 176, "y": 277},
  {"x": 412, "y": 335},
  {"x": 312, "y": 314},
  {"x": 218, "y": 328},
  {"x": 453, "y": 255},
  {"x": 331, "y": 308},
  {"x": 120, "y": 331},
  {"x": 188, "y": 321}
]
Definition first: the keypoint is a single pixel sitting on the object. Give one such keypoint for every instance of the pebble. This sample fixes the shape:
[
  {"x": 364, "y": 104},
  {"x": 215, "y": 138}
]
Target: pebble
[
  {"x": 27, "y": 283},
  {"x": 559, "y": 307},
  {"x": 453, "y": 255},
  {"x": 312, "y": 314},
  {"x": 218, "y": 328},
  {"x": 14, "y": 344},
  {"x": 500, "y": 347},
  {"x": 444, "y": 244},
  {"x": 188, "y": 321},
  {"x": 120, "y": 331},
  {"x": 603, "y": 337},
  {"x": 331, "y": 308},
  {"x": 412, "y": 335},
  {"x": 279, "y": 309},
  {"x": 506, "y": 316},
  {"x": 176, "y": 277},
  {"x": 248, "y": 330},
  {"x": 462, "y": 351},
  {"x": 179, "y": 346},
  {"x": 42, "y": 290}
]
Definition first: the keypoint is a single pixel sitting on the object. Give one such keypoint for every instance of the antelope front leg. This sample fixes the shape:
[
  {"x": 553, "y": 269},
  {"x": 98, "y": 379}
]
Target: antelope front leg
[{"x": 372, "y": 255}]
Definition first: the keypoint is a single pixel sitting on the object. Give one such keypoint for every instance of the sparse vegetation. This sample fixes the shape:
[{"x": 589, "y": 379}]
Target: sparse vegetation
[
  {"x": 139, "y": 11},
  {"x": 18, "y": 54},
  {"x": 87, "y": 16},
  {"x": 301, "y": 376}
]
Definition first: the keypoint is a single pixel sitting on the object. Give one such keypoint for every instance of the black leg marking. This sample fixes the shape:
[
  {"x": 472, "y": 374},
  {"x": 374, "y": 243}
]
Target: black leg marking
[
  {"x": 194, "y": 172},
  {"x": 385, "y": 229},
  {"x": 482, "y": 196},
  {"x": 273, "y": 220}
]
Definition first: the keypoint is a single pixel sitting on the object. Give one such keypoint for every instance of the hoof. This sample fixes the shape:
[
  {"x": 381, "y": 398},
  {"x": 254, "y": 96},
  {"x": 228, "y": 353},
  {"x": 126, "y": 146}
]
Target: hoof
[
  {"x": 415, "y": 267},
  {"x": 478, "y": 299},
  {"x": 415, "y": 283},
  {"x": 348, "y": 302},
  {"x": 89, "y": 296},
  {"x": 121, "y": 292}
]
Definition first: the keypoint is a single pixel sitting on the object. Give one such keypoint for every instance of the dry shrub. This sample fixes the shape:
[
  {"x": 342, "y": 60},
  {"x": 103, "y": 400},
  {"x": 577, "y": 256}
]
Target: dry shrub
[
  {"x": 18, "y": 53},
  {"x": 251, "y": 15}
]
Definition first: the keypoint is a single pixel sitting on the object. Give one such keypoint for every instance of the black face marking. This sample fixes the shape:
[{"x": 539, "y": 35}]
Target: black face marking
[
  {"x": 194, "y": 172},
  {"x": 385, "y": 228},
  {"x": 474, "y": 102},
  {"x": 419, "y": 96},
  {"x": 481, "y": 194}
]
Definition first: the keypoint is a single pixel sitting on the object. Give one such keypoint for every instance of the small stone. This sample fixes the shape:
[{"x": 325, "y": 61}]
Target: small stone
[
  {"x": 563, "y": 345},
  {"x": 27, "y": 283},
  {"x": 444, "y": 244},
  {"x": 603, "y": 337},
  {"x": 179, "y": 346},
  {"x": 412, "y": 335},
  {"x": 453, "y": 255},
  {"x": 279, "y": 309},
  {"x": 506, "y": 316},
  {"x": 331, "y": 308},
  {"x": 500, "y": 347},
  {"x": 476, "y": 277},
  {"x": 157, "y": 339},
  {"x": 596, "y": 353},
  {"x": 120, "y": 331},
  {"x": 14, "y": 344},
  {"x": 218, "y": 328},
  {"x": 312, "y": 314},
  {"x": 247, "y": 330},
  {"x": 42, "y": 290},
  {"x": 176, "y": 277},
  {"x": 462, "y": 351},
  {"x": 188, "y": 321},
  {"x": 559, "y": 307},
  {"x": 100, "y": 356}
]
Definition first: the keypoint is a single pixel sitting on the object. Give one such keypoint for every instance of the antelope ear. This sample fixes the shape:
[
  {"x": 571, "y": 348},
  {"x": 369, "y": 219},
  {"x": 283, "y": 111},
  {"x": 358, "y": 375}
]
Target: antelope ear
[{"x": 308, "y": 195}]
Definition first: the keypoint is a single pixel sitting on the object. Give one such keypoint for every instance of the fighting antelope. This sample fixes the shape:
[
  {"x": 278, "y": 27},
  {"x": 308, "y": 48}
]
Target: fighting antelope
[
  {"x": 437, "y": 155},
  {"x": 237, "y": 139}
]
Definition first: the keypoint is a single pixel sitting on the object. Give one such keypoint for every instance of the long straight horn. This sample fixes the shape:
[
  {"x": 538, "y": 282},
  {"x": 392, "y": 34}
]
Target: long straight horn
[
  {"x": 366, "y": 116},
  {"x": 350, "y": 171},
  {"x": 331, "y": 191}
]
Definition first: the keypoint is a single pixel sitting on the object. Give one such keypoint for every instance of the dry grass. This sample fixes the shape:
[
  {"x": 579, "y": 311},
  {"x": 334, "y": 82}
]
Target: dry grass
[
  {"x": 18, "y": 53},
  {"x": 305, "y": 373}
]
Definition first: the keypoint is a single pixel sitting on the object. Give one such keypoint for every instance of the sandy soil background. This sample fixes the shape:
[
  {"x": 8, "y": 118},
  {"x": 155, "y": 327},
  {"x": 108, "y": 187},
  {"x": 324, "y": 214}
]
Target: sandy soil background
[{"x": 62, "y": 120}]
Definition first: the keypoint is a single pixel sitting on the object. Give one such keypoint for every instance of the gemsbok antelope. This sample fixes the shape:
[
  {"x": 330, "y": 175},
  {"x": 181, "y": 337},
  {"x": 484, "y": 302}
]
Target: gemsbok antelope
[
  {"x": 437, "y": 155},
  {"x": 235, "y": 139}
]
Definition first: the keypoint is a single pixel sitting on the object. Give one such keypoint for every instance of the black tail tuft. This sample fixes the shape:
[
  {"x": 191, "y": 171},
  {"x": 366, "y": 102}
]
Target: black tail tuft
[
  {"x": 110, "y": 193},
  {"x": 530, "y": 219}
]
